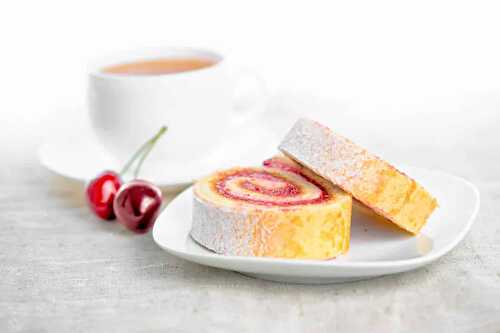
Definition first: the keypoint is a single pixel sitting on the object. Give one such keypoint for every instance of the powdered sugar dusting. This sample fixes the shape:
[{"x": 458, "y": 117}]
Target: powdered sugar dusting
[
  {"x": 222, "y": 230},
  {"x": 328, "y": 154}
]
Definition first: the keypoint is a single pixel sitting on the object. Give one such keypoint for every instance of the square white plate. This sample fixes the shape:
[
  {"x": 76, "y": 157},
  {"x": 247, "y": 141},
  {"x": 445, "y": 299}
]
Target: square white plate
[{"x": 377, "y": 248}]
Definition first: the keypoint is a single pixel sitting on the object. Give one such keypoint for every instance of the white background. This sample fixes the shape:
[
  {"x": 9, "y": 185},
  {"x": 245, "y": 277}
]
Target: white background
[{"x": 380, "y": 62}]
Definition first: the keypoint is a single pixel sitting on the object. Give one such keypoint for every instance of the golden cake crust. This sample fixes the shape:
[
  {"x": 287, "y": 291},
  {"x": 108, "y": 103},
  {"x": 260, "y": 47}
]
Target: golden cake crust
[{"x": 369, "y": 179}]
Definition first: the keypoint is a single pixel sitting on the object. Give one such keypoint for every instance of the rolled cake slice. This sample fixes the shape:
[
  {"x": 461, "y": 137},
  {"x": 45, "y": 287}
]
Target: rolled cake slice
[
  {"x": 372, "y": 181},
  {"x": 278, "y": 210}
]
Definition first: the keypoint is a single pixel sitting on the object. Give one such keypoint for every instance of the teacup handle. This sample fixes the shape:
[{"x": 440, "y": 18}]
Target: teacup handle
[{"x": 249, "y": 96}]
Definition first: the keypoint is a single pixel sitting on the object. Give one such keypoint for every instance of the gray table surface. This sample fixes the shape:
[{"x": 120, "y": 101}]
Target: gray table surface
[{"x": 61, "y": 269}]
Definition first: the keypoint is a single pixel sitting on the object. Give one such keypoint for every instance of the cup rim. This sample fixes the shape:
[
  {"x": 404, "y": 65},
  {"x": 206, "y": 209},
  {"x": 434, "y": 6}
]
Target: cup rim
[{"x": 96, "y": 66}]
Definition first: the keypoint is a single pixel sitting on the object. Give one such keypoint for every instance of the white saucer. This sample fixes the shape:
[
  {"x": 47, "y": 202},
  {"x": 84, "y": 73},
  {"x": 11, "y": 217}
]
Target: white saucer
[
  {"x": 376, "y": 248},
  {"x": 75, "y": 153}
]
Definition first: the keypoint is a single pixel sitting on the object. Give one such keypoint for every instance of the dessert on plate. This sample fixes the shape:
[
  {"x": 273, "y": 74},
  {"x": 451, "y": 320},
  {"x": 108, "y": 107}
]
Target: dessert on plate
[
  {"x": 299, "y": 205},
  {"x": 369, "y": 179},
  {"x": 279, "y": 210}
]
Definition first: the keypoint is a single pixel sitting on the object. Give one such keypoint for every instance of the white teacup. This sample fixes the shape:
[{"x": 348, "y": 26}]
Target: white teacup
[{"x": 198, "y": 106}]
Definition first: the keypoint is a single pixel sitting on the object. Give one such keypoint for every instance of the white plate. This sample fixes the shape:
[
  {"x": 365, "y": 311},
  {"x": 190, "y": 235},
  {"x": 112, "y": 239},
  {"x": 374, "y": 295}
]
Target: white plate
[
  {"x": 75, "y": 153},
  {"x": 376, "y": 247}
]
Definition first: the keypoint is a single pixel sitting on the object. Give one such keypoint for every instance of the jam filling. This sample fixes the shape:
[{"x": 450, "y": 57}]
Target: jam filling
[
  {"x": 278, "y": 164},
  {"x": 287, "y": 190},
  {"x": 273, "y": 186}
]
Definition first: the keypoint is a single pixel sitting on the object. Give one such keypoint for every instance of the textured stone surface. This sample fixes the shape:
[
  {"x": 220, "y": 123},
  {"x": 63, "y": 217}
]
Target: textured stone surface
[{"x": 63, "y": 270}]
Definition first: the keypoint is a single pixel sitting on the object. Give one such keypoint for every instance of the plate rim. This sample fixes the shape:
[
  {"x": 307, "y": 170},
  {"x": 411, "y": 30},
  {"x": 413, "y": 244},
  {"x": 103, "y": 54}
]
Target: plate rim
[
  {"x": 399, "y": 263},
  {"x": 52, "y": 167}
]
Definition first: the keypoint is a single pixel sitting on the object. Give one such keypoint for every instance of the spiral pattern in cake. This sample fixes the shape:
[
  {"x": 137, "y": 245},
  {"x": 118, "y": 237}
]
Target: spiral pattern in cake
[{"x": 278, "y": 210}]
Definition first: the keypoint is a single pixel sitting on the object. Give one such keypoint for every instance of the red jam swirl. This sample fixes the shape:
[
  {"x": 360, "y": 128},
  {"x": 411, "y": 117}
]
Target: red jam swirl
[
  {"x": 266, "y": 184},
  {"x": 278, "y": 164}
]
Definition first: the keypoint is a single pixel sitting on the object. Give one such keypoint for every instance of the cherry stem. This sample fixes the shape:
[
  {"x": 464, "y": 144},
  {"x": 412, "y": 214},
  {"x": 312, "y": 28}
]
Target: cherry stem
[
  {"x": 144, "y": 151},
  {"x": 148, "y": 149}
]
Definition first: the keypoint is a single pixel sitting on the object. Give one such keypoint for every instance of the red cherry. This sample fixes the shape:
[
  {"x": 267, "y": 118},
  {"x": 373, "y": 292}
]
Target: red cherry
[
  {"x": 137, "y": 205},
  {"x": 101, "y": 193},
  {"x": 102, "y": 190}
]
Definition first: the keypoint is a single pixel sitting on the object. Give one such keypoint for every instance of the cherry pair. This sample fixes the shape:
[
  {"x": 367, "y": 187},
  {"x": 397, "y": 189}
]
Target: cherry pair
[{"x": 136, "y": 204}]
